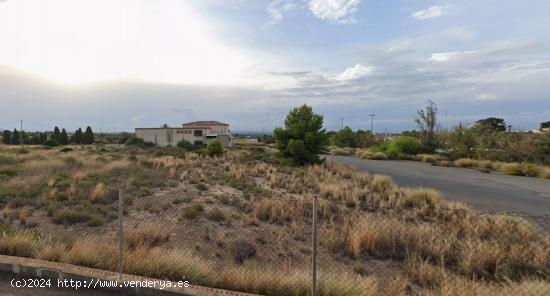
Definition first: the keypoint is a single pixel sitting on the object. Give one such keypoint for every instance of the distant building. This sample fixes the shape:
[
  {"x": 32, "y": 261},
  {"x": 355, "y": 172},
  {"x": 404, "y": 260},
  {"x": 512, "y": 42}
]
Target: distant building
[{"x": 196, "y": 132}]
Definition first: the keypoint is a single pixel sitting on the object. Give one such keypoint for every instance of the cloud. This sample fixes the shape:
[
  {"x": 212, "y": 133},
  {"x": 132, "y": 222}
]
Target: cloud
[
  {"x": 278, "y": 9},
  {"x": 334, "y": 10},
  {"x": 432, "y": 12},
  {"x": 447, "y": 56},
  {"x": 355, "y": 72}
]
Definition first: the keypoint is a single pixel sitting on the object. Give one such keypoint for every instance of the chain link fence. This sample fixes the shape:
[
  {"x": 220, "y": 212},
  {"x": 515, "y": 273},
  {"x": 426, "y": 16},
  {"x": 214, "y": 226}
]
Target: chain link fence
[{"x": 242, "y": 224}]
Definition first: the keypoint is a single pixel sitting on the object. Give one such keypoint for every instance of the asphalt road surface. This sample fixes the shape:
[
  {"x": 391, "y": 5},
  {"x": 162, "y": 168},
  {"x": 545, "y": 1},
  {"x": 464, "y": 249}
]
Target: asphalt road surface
[{"x": 486, "y": 192}]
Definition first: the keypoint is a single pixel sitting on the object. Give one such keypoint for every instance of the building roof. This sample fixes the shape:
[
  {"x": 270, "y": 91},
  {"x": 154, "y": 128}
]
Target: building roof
[{"x": 204, "y": 123}]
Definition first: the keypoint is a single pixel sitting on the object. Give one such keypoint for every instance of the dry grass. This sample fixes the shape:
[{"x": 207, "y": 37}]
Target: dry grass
[{"x": 421, "y": 243}]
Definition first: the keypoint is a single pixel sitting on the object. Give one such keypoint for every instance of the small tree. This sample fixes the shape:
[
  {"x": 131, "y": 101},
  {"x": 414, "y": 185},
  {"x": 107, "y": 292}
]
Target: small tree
[
  {"x": 64, "y": 137},
  {"x": 214, "y": 148},
  {"x": 491, "y": 124},
  {"x": 15, "y": 137},
  {"x": 6, "y": 137},
  {"x": 545, "y": 124},
  {"x": 88, "y": 137},
  {"x": 77, "y": 137},
  {"x": 344, "y": 138},
  {"x": 303, "y": 137},
  {"x": 56, "y": 134},
  {"x": 426, "y": 121}
]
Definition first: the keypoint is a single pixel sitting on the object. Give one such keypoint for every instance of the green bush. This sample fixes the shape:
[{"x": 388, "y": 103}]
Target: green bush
[
  {"x": 51, "y": 143},
  {"x": 214, "y": 148},
  {"x": 192, "y": 212},
  {"x": 74, "y": 216},
  {"x": 402, "y": 147},
  {"x": 134, "y": 141},
  {"x": 186, "y": 145}
]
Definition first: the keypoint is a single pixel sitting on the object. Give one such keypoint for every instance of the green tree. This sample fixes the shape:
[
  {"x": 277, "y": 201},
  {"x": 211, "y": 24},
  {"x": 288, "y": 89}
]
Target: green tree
[
  {"x": 77, "y": 137},
  {"x": 64, "y": 137},
  {"x": 364, "y": 139},
  {"x": 214, "y": 148},
  {"x": 302, "y": 138},
  {"x": 545, "y": 124},
  {"x": 88, "y": 137},
  {"x": 15, "y": 137},
  {"x": 6, "y": 137},
  {"x": 56, "y": 134},
  {"x": 491, "y": 124},
  {"x": 344, "y": 138},
  {"x": 426, "y": 121}
]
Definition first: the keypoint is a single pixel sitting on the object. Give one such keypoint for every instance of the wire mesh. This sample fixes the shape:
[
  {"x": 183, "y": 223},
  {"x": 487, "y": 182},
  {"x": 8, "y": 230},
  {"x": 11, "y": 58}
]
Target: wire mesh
[{"x": 240, "y": 223}]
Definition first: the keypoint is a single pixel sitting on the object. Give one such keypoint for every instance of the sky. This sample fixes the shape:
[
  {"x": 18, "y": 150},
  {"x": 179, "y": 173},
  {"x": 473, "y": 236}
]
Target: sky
[{"x": 120, "y": 64}]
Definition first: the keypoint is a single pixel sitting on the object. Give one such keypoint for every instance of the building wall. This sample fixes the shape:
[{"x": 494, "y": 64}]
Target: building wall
[{"x": 171, "y": 136}]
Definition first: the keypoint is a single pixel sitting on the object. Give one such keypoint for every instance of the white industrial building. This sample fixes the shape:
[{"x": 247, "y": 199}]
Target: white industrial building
[{"x": 196, "y": 132}]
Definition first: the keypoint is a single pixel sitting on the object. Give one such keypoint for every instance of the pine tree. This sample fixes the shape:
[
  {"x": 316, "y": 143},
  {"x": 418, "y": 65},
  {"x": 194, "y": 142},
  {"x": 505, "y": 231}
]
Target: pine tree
[
  {"x": 88, "y": 137},
  {"x": 303, "y": 138},
  {"x": 77, "y": 137},
  {"x": 15, "y": 138},
  {"x": 43, "y": 137},
  {"x": 6, "y": 137},
  {"x": 56, "y": 134},
  {"x": 64, "y": 137}
]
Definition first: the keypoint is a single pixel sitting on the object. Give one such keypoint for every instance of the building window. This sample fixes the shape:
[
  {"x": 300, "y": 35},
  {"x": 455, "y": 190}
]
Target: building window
[{"x": 198, "y": 133}]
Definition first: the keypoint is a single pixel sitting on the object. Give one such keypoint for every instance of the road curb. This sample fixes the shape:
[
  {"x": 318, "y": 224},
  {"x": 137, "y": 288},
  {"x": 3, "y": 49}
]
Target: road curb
[{"x": 61, "y": 271}]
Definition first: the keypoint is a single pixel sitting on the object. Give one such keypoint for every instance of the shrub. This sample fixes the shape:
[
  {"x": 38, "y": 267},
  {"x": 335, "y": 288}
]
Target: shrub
[
  {"x": 66, "y": 149},
  {"x": 50, "y": 143},
  {"x": 193, "y": 211},
  {"x": 186, "y": 145},
  {"x": 465, "y": 163},
  {"x": 72, "y": 217},
  {"x": 513, "y": 169},
  {"x": 214, "y": 148},
  {"x": 134, "y": 141},
  {"x": 429, "y": 158},
  {"x": 401, "y": 147},
  {"x": 423, "y": 196},
  {"x": 201, "y": 187},
  {"x": 8, "y": 172},
  {"x": 216, "y": 214},
  {"x": 530, "y": 170}
]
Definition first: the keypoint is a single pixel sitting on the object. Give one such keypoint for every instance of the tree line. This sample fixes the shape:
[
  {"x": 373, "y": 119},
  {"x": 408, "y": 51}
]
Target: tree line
[
  {"x": 53, "y": 138},
  {"x": 303, "y": 138}
]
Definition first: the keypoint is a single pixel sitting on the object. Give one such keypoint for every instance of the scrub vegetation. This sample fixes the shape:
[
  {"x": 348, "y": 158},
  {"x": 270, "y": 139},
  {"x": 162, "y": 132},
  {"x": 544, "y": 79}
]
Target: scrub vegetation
[{"x": 242, "y": 221}]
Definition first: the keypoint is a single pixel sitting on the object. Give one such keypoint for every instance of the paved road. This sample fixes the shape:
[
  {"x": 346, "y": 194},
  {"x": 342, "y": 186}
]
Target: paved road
[
  {"x": 487, "y": 192},
  {"x": 7, "y": 290}
]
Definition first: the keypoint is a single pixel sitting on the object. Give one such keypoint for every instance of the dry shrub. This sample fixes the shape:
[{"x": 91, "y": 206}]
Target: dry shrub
[
  {"x": 429, "y": 158},
  {"x": 50, "y": 250},
  {"x": 421, "y": 197},
  {"x": 21, "y": 243},
  {"x": 98, "y": 192},
  {"x": 148, "y": 235},
  {"x": 381, "y": 183},
  {"x": 422, "y": 272},
  {"x": 465, "y": 163},
  {"x": 92, "y": 252}
]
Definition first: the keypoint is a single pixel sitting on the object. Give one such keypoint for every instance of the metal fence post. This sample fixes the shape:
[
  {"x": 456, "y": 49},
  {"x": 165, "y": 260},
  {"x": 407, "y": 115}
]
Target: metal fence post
[
  {"x": 120, "y": 232},
  {"x": 314, "y": 251}
]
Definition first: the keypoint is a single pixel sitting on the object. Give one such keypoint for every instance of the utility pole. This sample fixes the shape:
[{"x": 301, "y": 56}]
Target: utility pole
[
  {"x": 342, "y": 119},
  {"x": 372, "y": 123},
  {"x": 21, "y": 134},
  {"x": 314, "y": 250}
]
